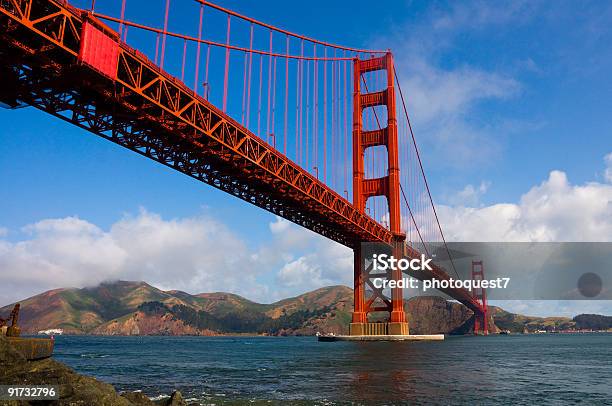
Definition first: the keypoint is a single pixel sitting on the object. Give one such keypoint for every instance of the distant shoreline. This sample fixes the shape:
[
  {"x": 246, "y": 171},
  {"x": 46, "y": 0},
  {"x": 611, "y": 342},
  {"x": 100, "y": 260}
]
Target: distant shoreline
[
  {"x": 247, "y": 335},
  {"x": 135, "y": 308}
]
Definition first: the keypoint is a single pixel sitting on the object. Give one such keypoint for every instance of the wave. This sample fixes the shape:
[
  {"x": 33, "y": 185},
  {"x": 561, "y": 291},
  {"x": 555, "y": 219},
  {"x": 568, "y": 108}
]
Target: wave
[{"x": 93, "y": 355}]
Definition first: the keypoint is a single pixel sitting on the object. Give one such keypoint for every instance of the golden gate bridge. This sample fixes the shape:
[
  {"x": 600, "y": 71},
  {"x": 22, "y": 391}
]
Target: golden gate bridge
[{"x": 305, "y": 129}]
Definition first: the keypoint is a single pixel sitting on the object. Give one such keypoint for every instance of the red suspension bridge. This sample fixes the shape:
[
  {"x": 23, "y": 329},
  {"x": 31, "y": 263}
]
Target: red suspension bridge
[{"x": 308, "y": 130}]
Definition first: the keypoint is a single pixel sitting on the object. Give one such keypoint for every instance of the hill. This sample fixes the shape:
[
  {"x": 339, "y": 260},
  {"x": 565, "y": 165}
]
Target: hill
[
  {"x": 593, "y": 322},
  {"x": 518, "y": 323},
  {"x": 137, "y": 308}
]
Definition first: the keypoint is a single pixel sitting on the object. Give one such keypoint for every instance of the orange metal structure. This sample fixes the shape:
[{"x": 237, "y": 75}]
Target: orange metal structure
[
  {"x": 480, "y": 318},
  {"x": 146, "y": 110},
  {"x": 387, "y": 186},
  {"x": 66, "y": 62},
  {"x": 99, "y": 49}
]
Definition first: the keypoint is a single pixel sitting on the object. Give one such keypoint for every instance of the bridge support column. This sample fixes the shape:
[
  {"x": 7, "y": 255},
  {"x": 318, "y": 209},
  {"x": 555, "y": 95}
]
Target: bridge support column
[
  {"x": 398, "y": 325},
  {"x": 367, "y": 187},
  {"x": 480, "y": 318},
  {"x": 359, "y": 320}
]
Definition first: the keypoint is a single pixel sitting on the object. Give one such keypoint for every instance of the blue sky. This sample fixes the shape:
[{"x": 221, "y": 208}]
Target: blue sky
[{"x": 501, "y": 95}]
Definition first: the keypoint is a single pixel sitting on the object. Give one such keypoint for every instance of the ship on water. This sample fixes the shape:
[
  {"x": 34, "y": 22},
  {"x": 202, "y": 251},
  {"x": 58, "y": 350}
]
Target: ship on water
[{"x": 51, "y": 332}]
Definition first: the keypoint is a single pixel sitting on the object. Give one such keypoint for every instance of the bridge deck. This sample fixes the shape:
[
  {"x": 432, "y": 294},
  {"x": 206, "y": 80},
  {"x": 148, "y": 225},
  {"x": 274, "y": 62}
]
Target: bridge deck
[{"x": 145, "y": 109}]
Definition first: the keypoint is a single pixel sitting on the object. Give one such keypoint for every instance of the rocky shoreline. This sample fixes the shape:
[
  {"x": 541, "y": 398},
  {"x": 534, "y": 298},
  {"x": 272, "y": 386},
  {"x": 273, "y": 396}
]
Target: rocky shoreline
[{"x": 75, "y": 389}]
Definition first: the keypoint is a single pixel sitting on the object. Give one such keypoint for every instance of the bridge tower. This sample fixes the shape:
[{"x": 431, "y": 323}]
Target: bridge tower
[
  {"x": 387, "y": 186},
  {"x": 480, "y": 319}
]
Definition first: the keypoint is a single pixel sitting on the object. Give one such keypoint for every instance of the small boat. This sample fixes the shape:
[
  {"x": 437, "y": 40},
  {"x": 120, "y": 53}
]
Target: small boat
[
  {"x": 51, "y": 332},
  {"x": 326, "y": 337}
]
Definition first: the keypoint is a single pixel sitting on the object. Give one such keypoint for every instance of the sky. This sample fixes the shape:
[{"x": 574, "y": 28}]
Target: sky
[{"x": 509, "y": 102}]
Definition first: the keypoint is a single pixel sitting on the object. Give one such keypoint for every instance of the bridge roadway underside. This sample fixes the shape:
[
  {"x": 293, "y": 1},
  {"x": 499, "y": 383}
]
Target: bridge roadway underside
[
  {"x": 160, "y": 118},
  {"x": 39, "y": 66}
]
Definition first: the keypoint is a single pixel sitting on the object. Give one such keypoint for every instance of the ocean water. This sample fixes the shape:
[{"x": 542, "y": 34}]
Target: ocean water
[{"x": 530, "y": 369}]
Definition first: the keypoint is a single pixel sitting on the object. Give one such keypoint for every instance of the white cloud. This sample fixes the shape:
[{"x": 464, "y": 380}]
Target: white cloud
[
  {"x": 437, "y": 93},
  {"x": 279, "y": 225},
  {"x": 200, "y": 254},
  {"x": 310, "y": 260},
  {"x": 442, "y": 96},
  {"x": 313, "y": 271},
  {"x": 608, "y": 170},
  {"x": 193, "y": 254},
  {"x": 301, "y": 272},
  {"x": 441, "y": 102},
  {"x": 470, "y": 195},
  {"x": 478, "y": 14},
  {"x": 289, "y": 237},
  {"x": 61, "y": 252},
  {"x": 555, "y": 210}
]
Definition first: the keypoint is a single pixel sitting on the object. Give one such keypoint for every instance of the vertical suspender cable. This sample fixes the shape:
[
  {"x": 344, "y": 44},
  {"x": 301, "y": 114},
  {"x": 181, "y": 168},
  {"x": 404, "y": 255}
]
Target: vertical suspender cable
[
  {"x": 325, "y": 115},
  {"x": 286, "y": 97},
  {"x": 307, "y": 113},
  {"x": 315, "y": 138},
  {"x": 206, "y": 82},
  {"x": 227, "y": 61},
  {"x": 183, "y": 63},
  {"x": 274, "y": 101},
  {"x": 341, "y": 138},
  {"x": 163, "y": 48},
  {"x": 296, "y": 120},
  {"x": 244, "y": 87},
  {"x": 269, "y": 93},
  {"x": 345, "y": 131},
  {"x": 416, "y": 149},
  {"x": 156, "y": 48},
  {"x": 333, "y": 122},
  {"x": 197, "y": 61},
  {"x": 248, "y": 108},
  {"x": 121, "y": 18},
  {"x": 259, "y": 97},
  {"x": 302, "y": 102}
]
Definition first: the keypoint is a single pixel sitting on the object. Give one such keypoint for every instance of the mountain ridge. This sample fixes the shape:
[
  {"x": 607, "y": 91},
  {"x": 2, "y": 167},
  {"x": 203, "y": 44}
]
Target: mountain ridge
[
  {"x": 138, "y": 308},
  {"x": 88, "y": 310}
]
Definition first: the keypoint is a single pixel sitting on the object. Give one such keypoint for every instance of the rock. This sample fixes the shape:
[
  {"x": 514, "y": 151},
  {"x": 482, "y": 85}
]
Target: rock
[
  {"x": 434, "y": 315},
  {"x": 75, "y": 389},
  {"x": 8, "y": 355},
  {"x": 138, "y": 399},
  {"x": 176, "y": 399}
]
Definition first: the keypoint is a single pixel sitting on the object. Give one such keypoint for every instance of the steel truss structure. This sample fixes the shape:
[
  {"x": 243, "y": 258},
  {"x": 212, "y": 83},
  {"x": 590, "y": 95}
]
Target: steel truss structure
[
  {"x": 130, "y": 101},
  {"x": 148, "y": 111}
]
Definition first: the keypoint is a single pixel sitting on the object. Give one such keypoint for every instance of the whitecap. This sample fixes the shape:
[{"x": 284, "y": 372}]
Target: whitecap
[{"x": 159, "y": 397}]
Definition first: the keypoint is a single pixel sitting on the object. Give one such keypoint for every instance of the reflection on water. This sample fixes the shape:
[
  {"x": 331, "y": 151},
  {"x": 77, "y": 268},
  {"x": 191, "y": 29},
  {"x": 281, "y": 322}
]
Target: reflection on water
[{"x": 300, "y": 370}]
